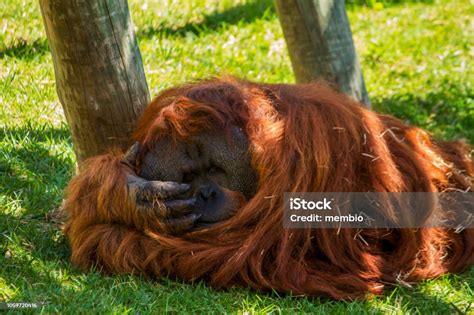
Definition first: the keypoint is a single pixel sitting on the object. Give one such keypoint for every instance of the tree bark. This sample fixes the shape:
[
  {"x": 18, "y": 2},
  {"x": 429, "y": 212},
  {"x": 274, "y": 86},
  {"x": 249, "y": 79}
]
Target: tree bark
[
  {"x": 320, "y": 45},
  {"x": 100, "y": 79}
]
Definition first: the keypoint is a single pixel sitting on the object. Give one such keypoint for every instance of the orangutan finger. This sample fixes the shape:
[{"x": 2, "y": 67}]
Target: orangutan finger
[
  {"x": 181, "y": 205},
  {"x": 167, "y": 209},
  {"x": 171, "y": 208},
  {"x": 130, "y": 156},
  {"x": 181, "y": 224},
  {"x": 164, "y": 190}
]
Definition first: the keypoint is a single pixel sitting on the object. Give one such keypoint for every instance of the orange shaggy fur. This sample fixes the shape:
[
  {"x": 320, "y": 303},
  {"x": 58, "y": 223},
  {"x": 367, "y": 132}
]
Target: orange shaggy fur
[{"x": 303, "y": 138}]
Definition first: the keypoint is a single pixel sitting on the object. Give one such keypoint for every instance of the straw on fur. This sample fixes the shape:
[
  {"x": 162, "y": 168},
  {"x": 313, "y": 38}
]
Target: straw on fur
[{"x": 303, "y": 138}]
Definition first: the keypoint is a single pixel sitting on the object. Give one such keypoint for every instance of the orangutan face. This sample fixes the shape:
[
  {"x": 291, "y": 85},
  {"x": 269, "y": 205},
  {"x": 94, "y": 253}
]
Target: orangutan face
[{"x": 216, "y": 166}]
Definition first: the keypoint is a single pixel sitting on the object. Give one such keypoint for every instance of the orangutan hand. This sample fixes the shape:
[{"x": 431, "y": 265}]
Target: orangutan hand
[{"x": 160, "y": 198}]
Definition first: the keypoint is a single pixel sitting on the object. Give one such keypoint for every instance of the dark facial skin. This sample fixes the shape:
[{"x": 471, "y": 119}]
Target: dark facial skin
[{"x": 213, "y": 164}]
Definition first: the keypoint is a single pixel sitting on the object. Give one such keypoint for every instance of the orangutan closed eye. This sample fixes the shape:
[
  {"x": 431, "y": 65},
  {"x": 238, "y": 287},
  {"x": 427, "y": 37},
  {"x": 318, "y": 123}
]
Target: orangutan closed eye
[
  {"x": 201, "y": 194},
  {"x": 215, "y": 165}
]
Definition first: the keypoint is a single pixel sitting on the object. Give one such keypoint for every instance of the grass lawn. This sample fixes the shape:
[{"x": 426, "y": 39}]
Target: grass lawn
[{"x": 417, "y": 62}]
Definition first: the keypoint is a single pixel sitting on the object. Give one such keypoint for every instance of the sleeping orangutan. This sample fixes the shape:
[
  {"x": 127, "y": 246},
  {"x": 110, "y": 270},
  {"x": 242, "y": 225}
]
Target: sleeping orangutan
[{"x": 200, "y": 196}]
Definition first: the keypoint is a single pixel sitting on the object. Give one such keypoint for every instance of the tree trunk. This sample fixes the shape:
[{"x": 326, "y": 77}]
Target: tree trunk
[
  {"x": 319, "y": 41},
  {"x": 100, "y": 79}
]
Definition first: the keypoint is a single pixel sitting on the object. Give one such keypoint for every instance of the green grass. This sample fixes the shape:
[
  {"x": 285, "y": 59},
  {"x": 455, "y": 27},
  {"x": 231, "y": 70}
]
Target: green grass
[{"x": 417, "y": 62}]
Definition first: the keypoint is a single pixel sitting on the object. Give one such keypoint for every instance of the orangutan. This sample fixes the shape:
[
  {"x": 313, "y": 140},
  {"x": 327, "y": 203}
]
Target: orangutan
[{"x": 200, "y": 195}]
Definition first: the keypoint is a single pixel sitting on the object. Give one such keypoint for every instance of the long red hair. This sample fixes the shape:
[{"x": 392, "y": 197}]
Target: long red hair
[{"x": 303, "y": 138}]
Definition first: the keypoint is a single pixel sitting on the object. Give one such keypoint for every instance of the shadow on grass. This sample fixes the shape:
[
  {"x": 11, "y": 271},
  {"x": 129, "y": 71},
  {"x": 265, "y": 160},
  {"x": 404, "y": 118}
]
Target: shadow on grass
[
  {"x": 37, "y": 133},
  {"x": 29, "y": 172},
  {"x": 31, "y": 182},
  {"x": 414, "y": 299},
  {"x": 30, "y": 276},
  {"x": 24, "y": 49},
  {"x": 384, "y": 3},
  {"x": 247, "y": 13},
  {"x": 447, "y": 113},
  {"x": 242, "y": 13}
]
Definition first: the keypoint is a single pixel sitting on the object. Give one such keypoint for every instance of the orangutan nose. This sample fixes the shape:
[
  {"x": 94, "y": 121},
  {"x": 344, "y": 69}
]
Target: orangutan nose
[{"x": 207, "y": 192}]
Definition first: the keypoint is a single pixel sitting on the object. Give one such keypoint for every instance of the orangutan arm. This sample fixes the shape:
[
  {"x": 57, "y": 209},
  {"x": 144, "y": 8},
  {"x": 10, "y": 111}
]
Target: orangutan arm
[{"x": 110, "y": 208}]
